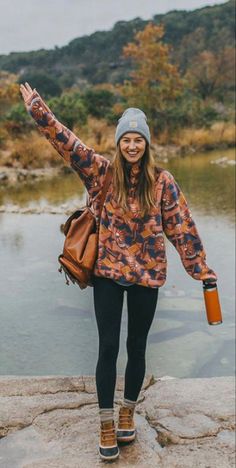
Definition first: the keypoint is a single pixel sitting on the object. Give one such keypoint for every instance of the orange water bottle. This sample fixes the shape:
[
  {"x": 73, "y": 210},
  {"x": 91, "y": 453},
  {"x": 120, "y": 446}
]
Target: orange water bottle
[{"x": 212, "y": 303}]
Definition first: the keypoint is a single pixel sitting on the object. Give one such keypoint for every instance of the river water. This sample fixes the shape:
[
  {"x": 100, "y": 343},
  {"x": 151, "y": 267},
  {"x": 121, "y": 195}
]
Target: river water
[{"x": 49, "y": 328}]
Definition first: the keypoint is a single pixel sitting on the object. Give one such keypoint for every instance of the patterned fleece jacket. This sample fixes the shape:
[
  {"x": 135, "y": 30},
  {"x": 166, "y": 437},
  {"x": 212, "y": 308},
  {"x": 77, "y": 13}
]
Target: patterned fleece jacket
[{"x": 131, "y": 247}]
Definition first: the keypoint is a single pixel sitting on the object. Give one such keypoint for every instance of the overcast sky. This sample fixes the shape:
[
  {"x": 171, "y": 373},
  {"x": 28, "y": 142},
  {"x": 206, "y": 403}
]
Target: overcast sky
[{"x": 34, "y": 24}]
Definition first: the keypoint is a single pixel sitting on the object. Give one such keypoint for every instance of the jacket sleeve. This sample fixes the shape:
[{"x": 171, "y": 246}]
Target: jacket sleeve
[
  {"x": 181, "y": 230},
  {"x": 90, "y": 166}
]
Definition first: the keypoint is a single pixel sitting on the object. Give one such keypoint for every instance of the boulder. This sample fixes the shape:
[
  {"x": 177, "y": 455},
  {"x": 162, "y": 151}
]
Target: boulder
[{"x": 53, "y": 422}]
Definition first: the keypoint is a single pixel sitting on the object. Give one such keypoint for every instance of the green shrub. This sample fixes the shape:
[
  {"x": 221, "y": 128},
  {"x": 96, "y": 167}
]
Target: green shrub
[
  {"x": 17, "y": 120},
  {"x": 69, "y": 109},
  {"x": 98, "y": 102},
  {"x": 46, "y": 85}
]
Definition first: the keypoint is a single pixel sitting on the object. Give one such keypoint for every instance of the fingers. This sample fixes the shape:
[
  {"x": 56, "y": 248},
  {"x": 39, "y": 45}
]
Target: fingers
[
  {"x": 27, "y": 92},
  {"x": 28, "y": 87},
  {"x": 22, "y": 90}
]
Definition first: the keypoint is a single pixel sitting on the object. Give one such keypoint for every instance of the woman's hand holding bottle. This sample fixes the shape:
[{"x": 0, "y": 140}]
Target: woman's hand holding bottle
[{"x": 212, "y": 303}]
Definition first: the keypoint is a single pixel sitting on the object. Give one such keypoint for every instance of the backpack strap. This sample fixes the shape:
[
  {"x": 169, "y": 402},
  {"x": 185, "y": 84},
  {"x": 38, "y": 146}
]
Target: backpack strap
[{"x": 105, "y": 188}]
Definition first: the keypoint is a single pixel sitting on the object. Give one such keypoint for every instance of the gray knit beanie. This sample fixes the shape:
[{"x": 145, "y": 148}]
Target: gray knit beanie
[{"x": 135, "y": 121}]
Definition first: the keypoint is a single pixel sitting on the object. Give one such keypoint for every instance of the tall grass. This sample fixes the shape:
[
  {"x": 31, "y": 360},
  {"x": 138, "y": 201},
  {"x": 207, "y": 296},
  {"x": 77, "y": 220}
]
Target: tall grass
[
  {"x": 29, "y": 152},
  {"x": 219, "y": 134},
  {"x": 34, "y": 151},
  {"x": 99, "y": 135}
]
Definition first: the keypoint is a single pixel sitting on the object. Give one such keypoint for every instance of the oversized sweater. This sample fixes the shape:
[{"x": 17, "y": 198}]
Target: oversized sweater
[{"x": 131, "y": 247}]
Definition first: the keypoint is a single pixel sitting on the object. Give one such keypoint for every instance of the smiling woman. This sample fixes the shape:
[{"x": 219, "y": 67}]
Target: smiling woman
[
  {"x": 132, "y": 147},
  {"x": 142, "y": 203}
]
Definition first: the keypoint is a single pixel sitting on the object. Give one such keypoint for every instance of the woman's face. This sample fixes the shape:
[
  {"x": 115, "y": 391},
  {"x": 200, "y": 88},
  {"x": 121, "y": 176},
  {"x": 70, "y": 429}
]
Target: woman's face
[{"x": 132, "y": 146}]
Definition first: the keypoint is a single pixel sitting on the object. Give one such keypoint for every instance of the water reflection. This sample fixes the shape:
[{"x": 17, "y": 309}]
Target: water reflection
[
  {"x": 12, "y": 240},
  {"x": 208, "y": 187},
  {"x": 49, "y": 328},
  {"x": 55, "y": 191}
]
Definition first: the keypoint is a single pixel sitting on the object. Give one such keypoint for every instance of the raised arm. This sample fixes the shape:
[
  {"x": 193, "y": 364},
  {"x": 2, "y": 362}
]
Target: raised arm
[
  {"x": 181, "y": 230},
  {"x": 90, "y": 166}
]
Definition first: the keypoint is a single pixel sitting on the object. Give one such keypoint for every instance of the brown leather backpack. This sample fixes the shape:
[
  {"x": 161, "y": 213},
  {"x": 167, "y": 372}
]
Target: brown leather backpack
[{"x": 81, "y": 243}]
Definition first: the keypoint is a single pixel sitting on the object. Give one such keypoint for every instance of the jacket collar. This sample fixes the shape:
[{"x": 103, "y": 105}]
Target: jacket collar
[
  {"x": 134, "y": 170},
  {"x": 133, "y": 177}
]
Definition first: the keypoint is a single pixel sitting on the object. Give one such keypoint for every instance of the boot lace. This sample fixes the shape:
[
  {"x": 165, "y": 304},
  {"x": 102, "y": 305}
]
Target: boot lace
[{"x": 108, "y": 434}]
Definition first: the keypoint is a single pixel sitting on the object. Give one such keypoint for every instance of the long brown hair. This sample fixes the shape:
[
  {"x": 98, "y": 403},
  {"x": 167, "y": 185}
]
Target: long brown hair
[{"x": 145, "y": 187}]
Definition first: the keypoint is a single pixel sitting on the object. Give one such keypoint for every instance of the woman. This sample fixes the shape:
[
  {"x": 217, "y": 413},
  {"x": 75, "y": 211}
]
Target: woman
[{"x": 142, "y": 203}]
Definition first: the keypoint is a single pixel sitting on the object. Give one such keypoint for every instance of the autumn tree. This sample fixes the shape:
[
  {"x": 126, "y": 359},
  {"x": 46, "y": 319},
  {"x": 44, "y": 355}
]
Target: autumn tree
[
  {"x": 212, "y": 74},
  {"x": 155, "y": 82},
  {"x": 9, "y": 91}
]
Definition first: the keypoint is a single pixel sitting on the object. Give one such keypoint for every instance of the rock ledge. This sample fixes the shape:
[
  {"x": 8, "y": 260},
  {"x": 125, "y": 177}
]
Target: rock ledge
[{"x": 52, "y": 422}]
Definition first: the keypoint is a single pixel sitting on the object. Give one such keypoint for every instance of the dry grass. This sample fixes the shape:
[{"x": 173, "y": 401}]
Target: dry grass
[
  {"x": 99, "y": 135},
  {"x": 31, "y": 151},
  {"x": 163, "y": 138},
  {"x": 34, "y": 151},
  {"x": 3, "y": 138},
  {"x": 219, "y": 134}
]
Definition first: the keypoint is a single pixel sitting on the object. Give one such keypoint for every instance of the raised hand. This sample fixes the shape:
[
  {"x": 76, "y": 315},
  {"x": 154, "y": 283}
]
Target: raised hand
[{"x": 27, "y": 93}]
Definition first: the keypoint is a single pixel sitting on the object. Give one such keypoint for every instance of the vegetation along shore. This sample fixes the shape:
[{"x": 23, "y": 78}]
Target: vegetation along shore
[{"x": 177, "y": 67}]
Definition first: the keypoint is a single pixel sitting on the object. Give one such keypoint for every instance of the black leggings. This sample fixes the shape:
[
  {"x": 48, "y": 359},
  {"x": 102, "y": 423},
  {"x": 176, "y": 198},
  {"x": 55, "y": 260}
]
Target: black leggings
[{"x": 108, "y": 302}]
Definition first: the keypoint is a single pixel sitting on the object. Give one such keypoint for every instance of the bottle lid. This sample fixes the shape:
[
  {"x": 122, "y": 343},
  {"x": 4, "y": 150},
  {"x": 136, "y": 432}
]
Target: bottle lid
[
  {"x": 215, "y": 323},
  {"x": 210, "y": 286}
]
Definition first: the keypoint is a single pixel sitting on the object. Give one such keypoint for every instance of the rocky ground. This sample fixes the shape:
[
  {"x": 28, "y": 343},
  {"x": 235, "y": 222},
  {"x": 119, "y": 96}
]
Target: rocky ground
[
  {"x": 52, "y": 422},
  {"x": 14, "y": 175}
]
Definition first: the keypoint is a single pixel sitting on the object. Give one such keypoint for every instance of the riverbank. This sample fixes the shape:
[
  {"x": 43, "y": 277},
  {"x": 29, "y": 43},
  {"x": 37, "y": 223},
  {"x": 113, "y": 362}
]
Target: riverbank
[
  {"x": 53, "y": 422},
  {"x": 58, "y": 190},
  {"x": 16, "y": 174},
  {"x": 31, "y": 151},
  {"x": 13, "y": 171}
]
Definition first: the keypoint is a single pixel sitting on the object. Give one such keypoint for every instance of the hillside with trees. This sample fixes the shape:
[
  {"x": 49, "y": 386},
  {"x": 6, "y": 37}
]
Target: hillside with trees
[
  {"x": 179, "y": 68},
  {"x": 98, "y": 58}
]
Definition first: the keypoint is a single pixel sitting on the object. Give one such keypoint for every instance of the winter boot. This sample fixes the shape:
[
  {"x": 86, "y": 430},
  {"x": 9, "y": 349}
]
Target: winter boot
[
  {"x": 108, "y": 448},
  {"x": 126, "y": 431}
]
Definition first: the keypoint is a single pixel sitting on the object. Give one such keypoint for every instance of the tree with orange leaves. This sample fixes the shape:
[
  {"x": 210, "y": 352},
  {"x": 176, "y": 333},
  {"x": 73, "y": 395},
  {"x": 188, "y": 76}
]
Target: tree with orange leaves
[
  {"x": 213, "y": 74},
  {"x": 9, "y": 91},
  {"x": 155, "y": 82}
]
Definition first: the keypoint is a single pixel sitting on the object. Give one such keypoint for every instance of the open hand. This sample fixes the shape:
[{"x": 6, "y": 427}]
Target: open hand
[{"x": 27, "y": 93}]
